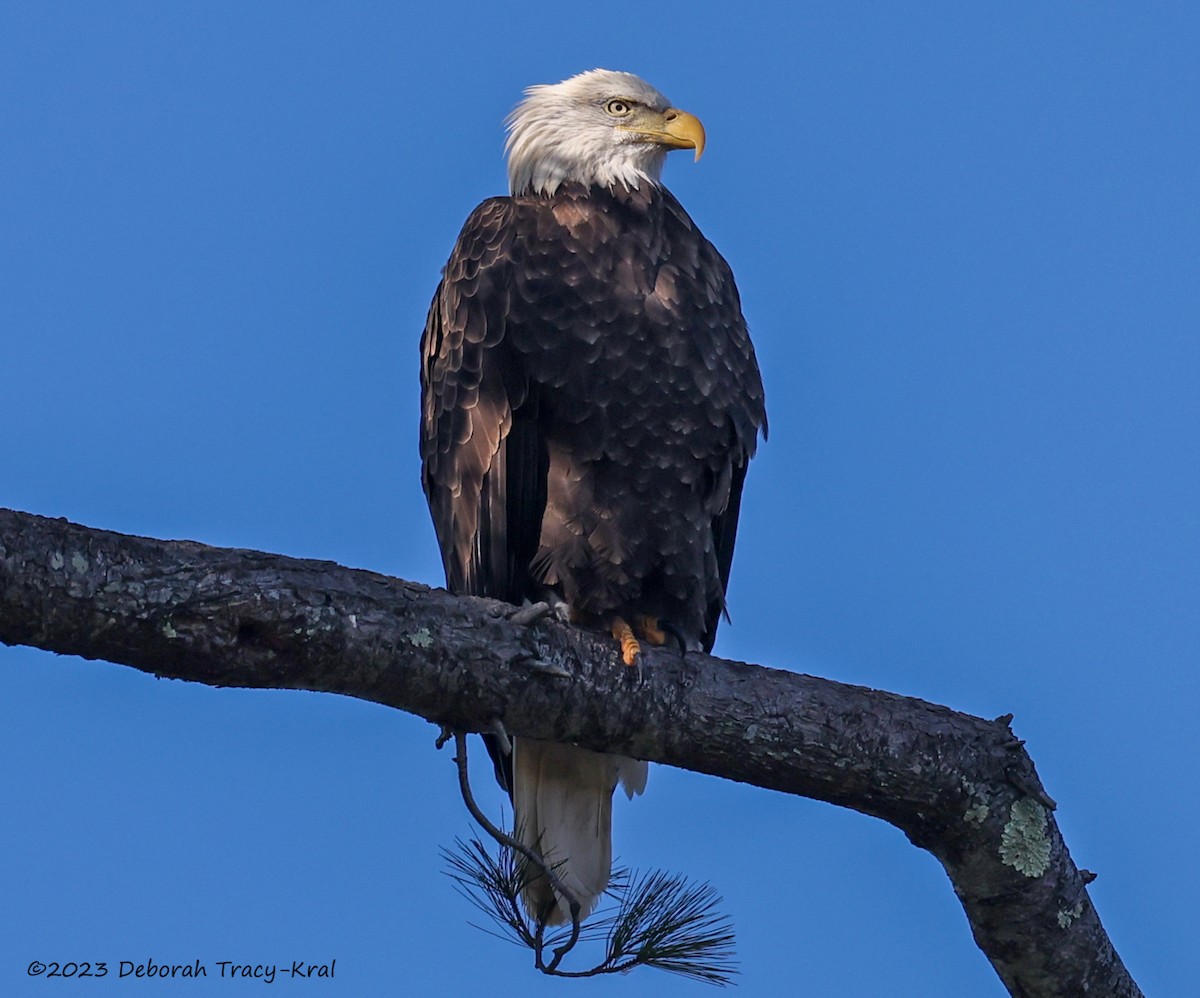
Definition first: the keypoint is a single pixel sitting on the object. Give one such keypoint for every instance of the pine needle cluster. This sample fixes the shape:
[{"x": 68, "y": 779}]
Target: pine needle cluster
[{"x": 651, "y": 920}]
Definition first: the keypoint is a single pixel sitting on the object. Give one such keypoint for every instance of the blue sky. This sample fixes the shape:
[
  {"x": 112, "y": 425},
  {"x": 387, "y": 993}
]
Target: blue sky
[{"x": 967, "y": 241}]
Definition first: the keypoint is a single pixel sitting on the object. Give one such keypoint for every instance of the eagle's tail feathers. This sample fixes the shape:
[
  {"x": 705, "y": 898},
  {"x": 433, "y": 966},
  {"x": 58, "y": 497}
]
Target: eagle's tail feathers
[
  {"x": 632, "y": 773},
  {"x": 562, "y": 802}
]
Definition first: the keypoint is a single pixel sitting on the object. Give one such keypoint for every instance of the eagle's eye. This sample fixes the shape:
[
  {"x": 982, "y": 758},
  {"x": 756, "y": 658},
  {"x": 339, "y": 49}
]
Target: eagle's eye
[{"x": 618, "y": 108}]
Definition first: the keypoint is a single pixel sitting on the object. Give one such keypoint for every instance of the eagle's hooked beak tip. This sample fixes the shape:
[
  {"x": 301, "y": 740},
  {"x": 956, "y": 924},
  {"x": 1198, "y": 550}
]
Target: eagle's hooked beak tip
[{"x": 684, "y": 130}]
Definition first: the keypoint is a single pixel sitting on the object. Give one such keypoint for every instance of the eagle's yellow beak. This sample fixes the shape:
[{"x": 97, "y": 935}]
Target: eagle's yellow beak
[{"x": 673, "y": 128}]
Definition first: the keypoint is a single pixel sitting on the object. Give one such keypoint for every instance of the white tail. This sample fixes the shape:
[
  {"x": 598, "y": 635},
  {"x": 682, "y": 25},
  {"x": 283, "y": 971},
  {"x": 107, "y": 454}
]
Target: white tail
[{"x": 562, "y": 803}]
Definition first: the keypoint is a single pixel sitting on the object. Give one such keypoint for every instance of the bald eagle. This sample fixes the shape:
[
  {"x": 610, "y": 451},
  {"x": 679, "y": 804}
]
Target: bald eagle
[{"x": 590, "y": 401}]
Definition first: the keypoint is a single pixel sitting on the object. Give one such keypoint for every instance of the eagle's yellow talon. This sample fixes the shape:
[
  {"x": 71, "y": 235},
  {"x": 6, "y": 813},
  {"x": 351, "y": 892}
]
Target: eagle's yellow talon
[{"x": 631, "y": 651}]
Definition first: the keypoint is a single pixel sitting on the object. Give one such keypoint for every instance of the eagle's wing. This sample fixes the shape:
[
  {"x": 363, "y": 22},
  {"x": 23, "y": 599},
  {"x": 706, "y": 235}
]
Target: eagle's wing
[
  {"x": 739, "y": 397},
  {"x": 484, "y": 461},
  {"x": 724, "y": 528},
  {"x": 484, "y": 468}
]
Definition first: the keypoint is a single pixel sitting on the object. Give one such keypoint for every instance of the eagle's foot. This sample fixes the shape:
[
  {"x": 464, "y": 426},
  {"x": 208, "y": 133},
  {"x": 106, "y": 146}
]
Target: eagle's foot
[
  {"x": 631, "y": 651},
  {"x": 560, "y": 607},
  {"x": 645, "y": 627},
  {"x": 648, "y": 629}
]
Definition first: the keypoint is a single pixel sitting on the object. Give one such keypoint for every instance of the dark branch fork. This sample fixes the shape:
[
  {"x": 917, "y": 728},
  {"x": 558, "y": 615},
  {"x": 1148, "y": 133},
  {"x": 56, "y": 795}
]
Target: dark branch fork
[{"x": 961, "y": 787}]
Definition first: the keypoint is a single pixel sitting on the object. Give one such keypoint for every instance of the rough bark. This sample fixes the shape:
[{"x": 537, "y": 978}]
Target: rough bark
[{"x": 959, "y": 786}]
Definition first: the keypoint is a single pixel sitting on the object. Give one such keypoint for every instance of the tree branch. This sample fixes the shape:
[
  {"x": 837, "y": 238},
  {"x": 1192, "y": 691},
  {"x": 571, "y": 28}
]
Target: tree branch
[{"x": 959, "y": 786}]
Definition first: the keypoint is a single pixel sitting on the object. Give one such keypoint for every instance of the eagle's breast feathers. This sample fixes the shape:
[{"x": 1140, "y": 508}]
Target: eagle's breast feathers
[{"x": 590, "y": 391}]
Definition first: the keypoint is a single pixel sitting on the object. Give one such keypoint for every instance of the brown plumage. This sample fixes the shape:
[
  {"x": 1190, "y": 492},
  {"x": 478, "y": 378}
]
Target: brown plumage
[{"x": 590, "y": 400}]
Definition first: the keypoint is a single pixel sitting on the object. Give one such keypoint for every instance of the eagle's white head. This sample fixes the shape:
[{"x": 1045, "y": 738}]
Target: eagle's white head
[{"x": 598, "y": 128}]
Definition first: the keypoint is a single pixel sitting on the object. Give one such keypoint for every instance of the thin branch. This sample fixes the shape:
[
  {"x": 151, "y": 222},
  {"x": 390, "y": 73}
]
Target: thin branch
[
  {"x": 958, "y": 786},
  {"x": 532, "y": 856}
]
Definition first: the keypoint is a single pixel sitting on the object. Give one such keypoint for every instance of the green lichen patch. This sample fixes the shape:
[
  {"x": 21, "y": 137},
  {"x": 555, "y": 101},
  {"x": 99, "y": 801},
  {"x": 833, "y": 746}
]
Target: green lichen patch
[
  {"x": 56, "y": 561},
  {"x": 1023, "y": 843},
  {"x": 79, "y": 563},
  {"x": 977, "y": 805},
  {"x": 976, "y": 814},
  {"x": 1066, "y": 917},
  {"x": 421, "y": 638}
]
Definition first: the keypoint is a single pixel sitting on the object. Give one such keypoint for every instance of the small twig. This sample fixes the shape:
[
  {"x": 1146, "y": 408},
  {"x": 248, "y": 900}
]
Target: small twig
[
  {"x": 531, "y": 855},
  {"x": 1030, "y": 788},
  {"x": 530, "y": 614},
  {"x": 549, "y": 668}
]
